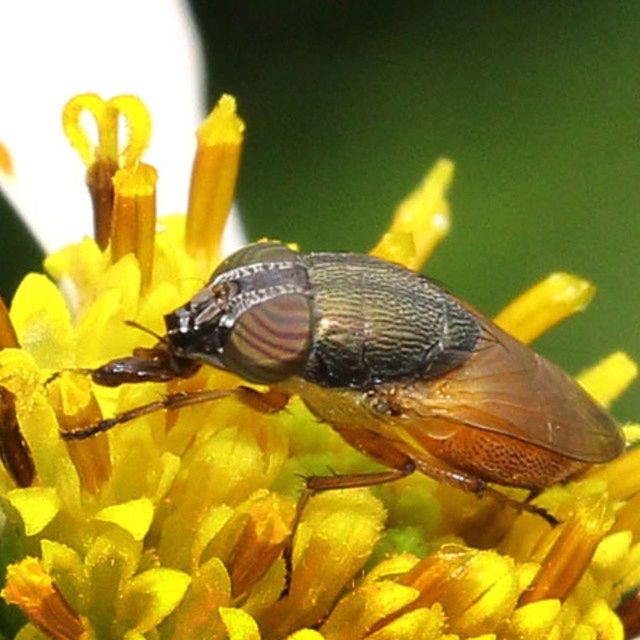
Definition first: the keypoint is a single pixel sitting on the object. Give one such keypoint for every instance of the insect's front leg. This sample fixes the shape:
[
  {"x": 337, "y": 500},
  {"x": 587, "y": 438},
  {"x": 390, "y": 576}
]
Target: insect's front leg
[{"x": 264, "y": 402}]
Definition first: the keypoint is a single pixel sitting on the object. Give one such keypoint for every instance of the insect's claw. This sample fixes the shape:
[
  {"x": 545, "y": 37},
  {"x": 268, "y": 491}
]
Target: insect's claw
[{"x": 551, "y": 519}]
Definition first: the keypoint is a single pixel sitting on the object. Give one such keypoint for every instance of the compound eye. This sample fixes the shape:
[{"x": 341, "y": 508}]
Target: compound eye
[{"x": 270, "y": 341}]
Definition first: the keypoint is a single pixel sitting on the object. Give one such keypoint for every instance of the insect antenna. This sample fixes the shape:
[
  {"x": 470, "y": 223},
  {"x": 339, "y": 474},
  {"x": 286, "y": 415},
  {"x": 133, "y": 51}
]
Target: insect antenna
[
  {"x": 54, "y": 376},
  {"x": 151, "y": 332}
]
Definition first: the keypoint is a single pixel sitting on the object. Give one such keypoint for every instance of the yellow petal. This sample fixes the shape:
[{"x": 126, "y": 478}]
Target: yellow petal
[
  {"x": 335, "y": 537},
  {"x": 420, "y": 624},
  {"x": 66, "y": 568},
  {"x": 110, "y": 561},
  {"x": 134, "y": 516},
  {"x": 396, "y": 246},
  {"x": 631, "y": 433},
  {"x": 240, "y": 625},
  {"x": 575, "y": 544},
  {"x": 424, "y": 215},
  {"x": 213, "y": 179},
  {"x": 604, "y": 621},
  {"x": 150, "y": 597},
  {"x": 475, "y": 588},
  {"x": 37, "y": 507},
  {"x": 197, "y": 616},
  {"x": 533, "y": 621},
  {"x": 612, "y": 551},
  {"x": 609, "y": 378},
  {"x": 621, "y": 477},
  {"x": 365, "y": 608},
  {"x": 253, "y": 538},
  {"x": 306, "y": 634},
  {"x": 83, "y": 263},
  {"x": 43, "y": 323},
  {"x": 544, "y": 305}
]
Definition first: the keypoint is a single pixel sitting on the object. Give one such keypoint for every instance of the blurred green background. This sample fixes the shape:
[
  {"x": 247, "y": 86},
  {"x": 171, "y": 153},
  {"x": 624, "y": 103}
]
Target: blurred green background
[{"x": 348, "y": 103}]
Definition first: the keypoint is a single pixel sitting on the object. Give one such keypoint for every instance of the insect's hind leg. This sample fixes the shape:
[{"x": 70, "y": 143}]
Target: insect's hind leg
[
  {"x": 265, "y": 402},
  {"x": 442, "y": 472}
]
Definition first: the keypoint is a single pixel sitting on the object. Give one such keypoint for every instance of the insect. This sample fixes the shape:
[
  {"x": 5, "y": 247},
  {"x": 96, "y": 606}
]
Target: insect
[{"x": 405, "y": 372}]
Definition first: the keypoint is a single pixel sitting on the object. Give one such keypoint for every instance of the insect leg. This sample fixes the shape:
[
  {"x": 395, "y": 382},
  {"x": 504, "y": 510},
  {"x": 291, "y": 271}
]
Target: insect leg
[
  {"x": 441, "y": 472},
  {"x": 268, "y": 402},
  {"x": 373, "y": 445}
]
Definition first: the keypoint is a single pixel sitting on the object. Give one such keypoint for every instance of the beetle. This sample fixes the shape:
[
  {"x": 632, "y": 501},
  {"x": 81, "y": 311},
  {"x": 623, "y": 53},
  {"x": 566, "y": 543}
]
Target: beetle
[{"x": 406, "y": 372}]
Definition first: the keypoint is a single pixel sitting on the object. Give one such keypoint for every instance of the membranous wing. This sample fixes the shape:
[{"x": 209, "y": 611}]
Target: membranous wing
[{"x": 507, "y": 388}]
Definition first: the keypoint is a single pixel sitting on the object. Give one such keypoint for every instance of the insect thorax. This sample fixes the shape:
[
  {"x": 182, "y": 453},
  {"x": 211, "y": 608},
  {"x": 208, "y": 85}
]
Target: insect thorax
[{"x": 377, "y": 322}]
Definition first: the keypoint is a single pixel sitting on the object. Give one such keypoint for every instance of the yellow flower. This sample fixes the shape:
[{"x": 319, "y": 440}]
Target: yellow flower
[{"x": 174, "y": 526}]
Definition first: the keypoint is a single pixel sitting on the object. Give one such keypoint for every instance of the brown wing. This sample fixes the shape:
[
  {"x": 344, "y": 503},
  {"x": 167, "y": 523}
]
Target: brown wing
[{"x": 507, "y": 388}]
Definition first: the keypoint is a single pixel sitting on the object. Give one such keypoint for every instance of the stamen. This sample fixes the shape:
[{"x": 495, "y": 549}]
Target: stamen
[
  {"x": 252, "y": 539},
  {"x": 104, "y": 158},
  {"x": 138, "y": 122},
  {"x": 101, "y": 160},
  {"x": 30, "y": 588},
  {"x": 571, "y": 553},
  {"x": 133, "y": 225},
  {"x": 75, "y": 406},
  {"x": 424, "y": 214},
  {"x": 78, "y": 135},
  {"x": 544, "y": 305},
  {"x": 213, "y": 179}
]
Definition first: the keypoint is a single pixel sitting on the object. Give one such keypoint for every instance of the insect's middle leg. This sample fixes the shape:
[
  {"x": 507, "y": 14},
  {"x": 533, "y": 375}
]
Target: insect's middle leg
[{"x": 400, "y": 466}]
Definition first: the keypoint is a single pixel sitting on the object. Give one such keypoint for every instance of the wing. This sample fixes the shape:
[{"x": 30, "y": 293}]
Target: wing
[{"x": 507, "y": 388}]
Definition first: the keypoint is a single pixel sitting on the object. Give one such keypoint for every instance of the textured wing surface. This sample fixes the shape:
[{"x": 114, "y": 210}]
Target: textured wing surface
[{"x": 507, "y": 388}]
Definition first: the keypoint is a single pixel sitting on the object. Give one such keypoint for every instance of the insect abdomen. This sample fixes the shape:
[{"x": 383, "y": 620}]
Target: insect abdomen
[{"x": 376, "y": 322}]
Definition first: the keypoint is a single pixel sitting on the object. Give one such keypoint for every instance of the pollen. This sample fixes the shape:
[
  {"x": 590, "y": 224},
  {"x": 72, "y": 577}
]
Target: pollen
[{"x": 30, "y": 588}]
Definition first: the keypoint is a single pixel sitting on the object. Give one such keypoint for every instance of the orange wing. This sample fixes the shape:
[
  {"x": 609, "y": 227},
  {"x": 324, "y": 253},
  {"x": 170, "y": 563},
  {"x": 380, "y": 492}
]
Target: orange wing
[{"x": 507, "y": 388}]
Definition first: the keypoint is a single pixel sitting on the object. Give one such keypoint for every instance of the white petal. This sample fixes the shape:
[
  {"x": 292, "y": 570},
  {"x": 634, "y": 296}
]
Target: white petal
[{"x": 50, "y": 51}]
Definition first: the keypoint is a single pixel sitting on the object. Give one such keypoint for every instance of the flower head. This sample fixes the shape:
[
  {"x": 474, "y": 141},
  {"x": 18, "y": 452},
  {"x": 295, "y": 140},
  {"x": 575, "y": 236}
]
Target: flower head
[{"x": 174, "y": 525}]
